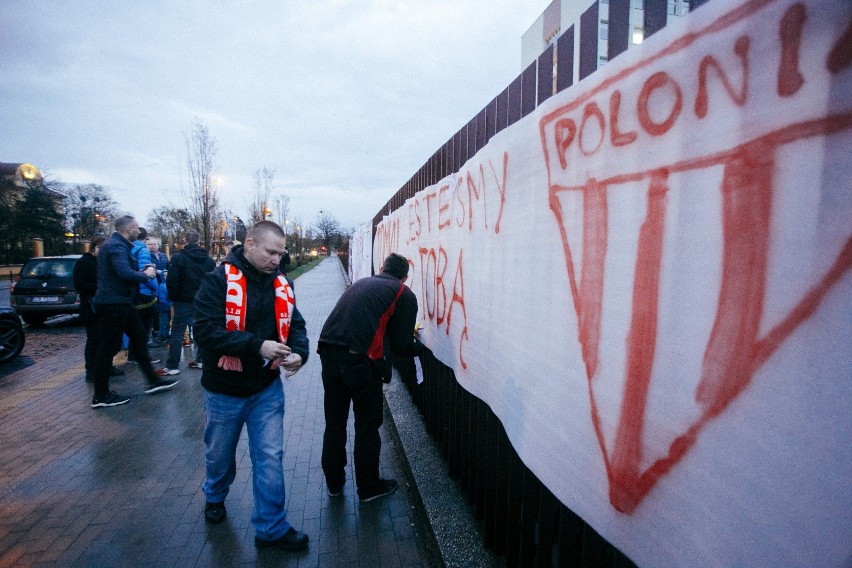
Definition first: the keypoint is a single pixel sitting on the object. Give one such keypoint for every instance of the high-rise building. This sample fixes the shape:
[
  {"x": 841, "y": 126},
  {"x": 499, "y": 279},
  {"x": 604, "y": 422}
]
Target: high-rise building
[{"x": 563, "y": 15}]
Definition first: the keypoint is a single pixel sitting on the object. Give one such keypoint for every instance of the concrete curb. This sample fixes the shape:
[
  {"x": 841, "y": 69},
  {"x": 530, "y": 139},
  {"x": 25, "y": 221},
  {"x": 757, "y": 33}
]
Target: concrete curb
[{"x": 457, "y": 534}]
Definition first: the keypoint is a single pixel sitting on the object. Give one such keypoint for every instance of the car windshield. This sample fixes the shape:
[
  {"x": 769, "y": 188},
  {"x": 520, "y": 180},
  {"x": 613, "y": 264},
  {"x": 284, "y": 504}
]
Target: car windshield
[{"x": 48, "y": 267}]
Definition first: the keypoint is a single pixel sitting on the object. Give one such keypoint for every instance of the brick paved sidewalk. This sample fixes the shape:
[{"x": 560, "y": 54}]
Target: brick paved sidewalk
[{"x": 121, "y": 486}]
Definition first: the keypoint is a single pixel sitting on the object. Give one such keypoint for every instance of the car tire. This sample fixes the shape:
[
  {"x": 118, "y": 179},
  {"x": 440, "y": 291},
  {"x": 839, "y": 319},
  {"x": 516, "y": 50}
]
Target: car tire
[
  {"x": 33, "y": 319},
  {"x": 12, "y": 340}
]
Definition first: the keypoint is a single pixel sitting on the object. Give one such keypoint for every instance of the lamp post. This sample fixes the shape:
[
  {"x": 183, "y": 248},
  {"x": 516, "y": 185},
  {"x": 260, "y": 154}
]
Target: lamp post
[{"x": 264, "y": 212}]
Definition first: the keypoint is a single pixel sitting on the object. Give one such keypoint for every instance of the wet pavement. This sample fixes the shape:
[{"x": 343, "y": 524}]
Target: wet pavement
[
  {"x": 121, "y": 486},
  {"x": 58, "y": 334}
]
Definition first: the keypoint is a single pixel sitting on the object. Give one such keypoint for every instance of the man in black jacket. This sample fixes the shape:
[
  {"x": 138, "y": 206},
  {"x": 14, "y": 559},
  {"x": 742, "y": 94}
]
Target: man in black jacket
[
  {"x": 372, "y": 312},
  {"x": 186, "y": 269},
  {"x": 86, "y": 282},
  {"x": 249, "y": 327},
  {"x": 118, "y": 281}
]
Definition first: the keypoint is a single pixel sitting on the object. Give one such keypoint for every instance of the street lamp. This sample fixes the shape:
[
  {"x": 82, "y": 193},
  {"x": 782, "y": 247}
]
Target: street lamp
[{"x": 266, "y": 211}]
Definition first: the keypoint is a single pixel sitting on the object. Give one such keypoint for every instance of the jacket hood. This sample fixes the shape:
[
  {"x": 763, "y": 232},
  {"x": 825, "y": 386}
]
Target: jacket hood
[{"x": 195, "y": 252}]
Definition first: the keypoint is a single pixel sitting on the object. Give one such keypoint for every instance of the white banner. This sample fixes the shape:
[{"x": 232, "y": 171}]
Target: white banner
[
  {"x": 648, "y": 281},
  {"x": 360, "y": 253}
]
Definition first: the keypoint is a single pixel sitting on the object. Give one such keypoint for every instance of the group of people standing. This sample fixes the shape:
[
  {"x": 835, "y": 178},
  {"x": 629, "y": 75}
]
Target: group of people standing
[
  {"x": 160, "y": 304},
  {"x": 248, "y": 332}
]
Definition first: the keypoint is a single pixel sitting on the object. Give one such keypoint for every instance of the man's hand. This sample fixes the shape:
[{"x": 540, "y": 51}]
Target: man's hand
[
  {"x": 293, "y": 362},
  {"x": 273, "y": 350},
  {"x": 150, "y": 272}
]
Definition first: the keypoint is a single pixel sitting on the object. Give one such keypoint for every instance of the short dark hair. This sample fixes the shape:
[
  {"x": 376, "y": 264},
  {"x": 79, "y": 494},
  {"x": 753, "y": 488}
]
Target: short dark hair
[
  {"x": 395, "y": 265},
  {"x": 265, "y": 228},
  {"x": 143, "y": 234},
  {"x": 96, "y": 242},
  {"x": 192, "y": 237},
  {"x": 123, "y": 222}
]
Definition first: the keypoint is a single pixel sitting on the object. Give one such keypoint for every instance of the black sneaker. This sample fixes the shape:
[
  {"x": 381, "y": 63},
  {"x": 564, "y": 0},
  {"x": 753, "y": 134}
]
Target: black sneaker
[
  {"x": 292, "y": 540},
  {"x": 112, "y": 399},
  {"x": 215, "y": 513},
  {"x": 385, "y": 487},
  {"x": 161, "y": 385},
  {"x": 334, "y": 493},
  {"x": 115, "y": 372}
]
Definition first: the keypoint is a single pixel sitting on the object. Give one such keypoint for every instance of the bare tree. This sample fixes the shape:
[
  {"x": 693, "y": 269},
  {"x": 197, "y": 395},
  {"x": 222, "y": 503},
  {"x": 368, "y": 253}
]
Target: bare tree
[
  {"x": 282, "y": 211},
  {"x": 328, "y": 228},
  {"x": 203, "y": 194},
  {"x": 169, "y": 223},
  {"x": 260, "y": 205},
  {"x": 87, "y": 210}
]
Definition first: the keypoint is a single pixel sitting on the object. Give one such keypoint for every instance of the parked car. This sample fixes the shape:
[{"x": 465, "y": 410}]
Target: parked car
[
  {"x": 44, "y": 288},
  {"x": 12, "y": 336}
]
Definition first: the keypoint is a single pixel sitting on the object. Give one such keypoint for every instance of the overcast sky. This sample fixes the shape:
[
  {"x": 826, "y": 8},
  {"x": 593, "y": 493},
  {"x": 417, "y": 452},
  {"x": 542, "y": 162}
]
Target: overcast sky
[{"x": 344, "y": 100}]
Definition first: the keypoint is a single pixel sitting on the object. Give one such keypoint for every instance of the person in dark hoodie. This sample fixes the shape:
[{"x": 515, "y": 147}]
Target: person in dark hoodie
[
  {"x": 248, "y": 325},
  {"x": 186, "y": 269}
]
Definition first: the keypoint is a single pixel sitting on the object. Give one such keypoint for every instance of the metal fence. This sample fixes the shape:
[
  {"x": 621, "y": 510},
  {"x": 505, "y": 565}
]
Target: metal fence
[{"x": 520, "y": 517}]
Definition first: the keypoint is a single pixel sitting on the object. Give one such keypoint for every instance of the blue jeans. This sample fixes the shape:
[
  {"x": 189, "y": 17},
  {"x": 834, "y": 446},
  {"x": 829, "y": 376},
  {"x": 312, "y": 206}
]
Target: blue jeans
[
  {"x": 181, "y": 319},
  {"x": 263, "y": 415},
  {"x": 165, "y": 319}
]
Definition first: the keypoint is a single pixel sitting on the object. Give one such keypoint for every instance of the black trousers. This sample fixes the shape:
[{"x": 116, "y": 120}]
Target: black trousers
[
  {"x": 147, "y": 315},
  {"x": 91, "y": 350},
  {"x": 113, "y": 321},
  {"x": 351, "y": 378}
]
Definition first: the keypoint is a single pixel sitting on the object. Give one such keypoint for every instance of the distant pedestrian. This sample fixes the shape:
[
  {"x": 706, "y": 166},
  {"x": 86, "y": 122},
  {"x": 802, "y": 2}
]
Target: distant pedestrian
[
  {"x": 372, "y": 313},
  {"x": 285, "y": 262},
  {"x": 158, "y": 257},
  {"x": 249, "y": 326},
  {"x": 86, "y": 282},
  {"x": 161, "y": 263},
  {"x": 186, "y": 270},
  {"x": 118, "y": 281}
]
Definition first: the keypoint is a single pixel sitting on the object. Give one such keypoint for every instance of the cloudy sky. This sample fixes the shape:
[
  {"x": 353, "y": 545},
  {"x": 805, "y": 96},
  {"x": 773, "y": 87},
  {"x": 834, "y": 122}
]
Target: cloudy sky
[{"x": 344, "y": 100}]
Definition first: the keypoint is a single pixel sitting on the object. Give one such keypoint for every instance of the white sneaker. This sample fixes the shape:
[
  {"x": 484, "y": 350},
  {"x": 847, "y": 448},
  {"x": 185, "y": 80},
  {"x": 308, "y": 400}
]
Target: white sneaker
[{"x": 165, "y": 372}]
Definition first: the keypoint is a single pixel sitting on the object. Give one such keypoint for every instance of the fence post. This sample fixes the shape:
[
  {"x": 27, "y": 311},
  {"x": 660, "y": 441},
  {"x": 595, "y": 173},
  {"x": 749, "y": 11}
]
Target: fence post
[{"x": 38, "y": 247}]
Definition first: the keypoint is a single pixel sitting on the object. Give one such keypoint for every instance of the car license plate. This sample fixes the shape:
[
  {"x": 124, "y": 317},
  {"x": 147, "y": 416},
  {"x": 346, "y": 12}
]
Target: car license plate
[{"x": 45, "y": 299}]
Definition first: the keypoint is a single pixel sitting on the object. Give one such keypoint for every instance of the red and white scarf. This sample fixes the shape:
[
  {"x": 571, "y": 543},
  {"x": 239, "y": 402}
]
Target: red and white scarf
[{"x": 235, "y": 310}]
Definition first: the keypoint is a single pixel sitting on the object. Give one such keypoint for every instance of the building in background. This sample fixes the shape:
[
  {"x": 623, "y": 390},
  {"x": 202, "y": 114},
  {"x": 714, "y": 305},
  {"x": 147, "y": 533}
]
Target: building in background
[
  {"x": 566, "y": 15},
  {"x": 31, "y": 212},
  {"x": 20, "y": 177}
]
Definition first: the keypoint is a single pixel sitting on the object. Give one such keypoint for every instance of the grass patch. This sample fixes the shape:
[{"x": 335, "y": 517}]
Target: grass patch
[{"x": 296, "y": 272}]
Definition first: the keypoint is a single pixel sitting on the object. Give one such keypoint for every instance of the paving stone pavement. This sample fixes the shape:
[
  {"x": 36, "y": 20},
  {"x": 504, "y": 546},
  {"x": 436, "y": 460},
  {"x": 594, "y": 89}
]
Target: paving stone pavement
[{"x": 121, "y": 486}]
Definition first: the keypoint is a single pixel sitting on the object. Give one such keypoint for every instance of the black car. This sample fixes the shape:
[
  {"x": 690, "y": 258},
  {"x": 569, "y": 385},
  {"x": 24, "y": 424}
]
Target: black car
[
  {"x": 11, "y": 334},
  {"x": 45, "y": 287}
]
